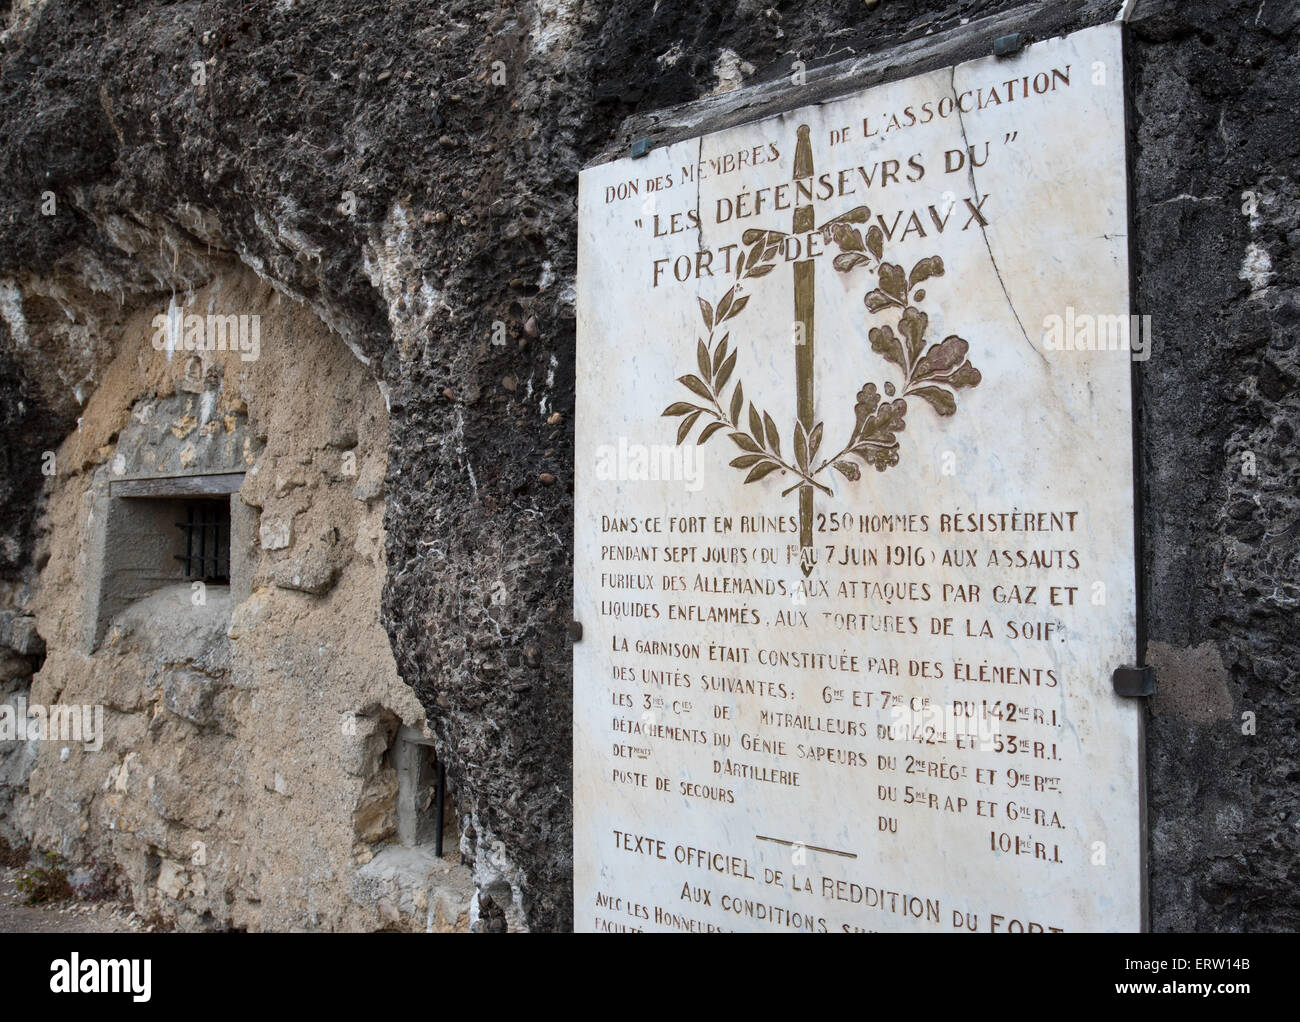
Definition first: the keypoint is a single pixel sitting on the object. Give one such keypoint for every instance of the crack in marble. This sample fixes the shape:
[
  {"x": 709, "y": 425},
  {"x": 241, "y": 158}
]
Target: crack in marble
[
  {"x": 699, "y": 218},
  {"x": 952, "y": 85}
]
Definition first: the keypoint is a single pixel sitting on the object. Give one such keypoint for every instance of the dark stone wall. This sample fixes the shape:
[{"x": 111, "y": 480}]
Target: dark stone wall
[
  {"x": 28, "y": 428},
  {"x": 1216, "y": 87},
  {"x": 465, "y": 218}
]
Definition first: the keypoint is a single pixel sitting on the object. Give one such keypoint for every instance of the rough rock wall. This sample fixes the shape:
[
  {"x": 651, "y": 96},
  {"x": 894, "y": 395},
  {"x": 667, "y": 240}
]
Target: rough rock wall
[
  {"x": 242, "y": 777},
  {"x": 408, "y": 171},
  {"x": 1216, "y": 87}
]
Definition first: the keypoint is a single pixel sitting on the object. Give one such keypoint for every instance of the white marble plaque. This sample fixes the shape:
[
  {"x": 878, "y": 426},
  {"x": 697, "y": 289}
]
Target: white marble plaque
[{"x": 854, "y": 529}]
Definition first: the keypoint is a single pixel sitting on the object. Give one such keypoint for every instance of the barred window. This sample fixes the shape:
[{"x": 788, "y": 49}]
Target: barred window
[{"x": 207, "y": 541}]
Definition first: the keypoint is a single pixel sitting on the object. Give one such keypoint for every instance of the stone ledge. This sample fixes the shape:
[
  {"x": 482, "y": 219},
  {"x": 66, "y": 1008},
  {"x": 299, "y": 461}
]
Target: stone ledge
[{"x": 1035, "y": 21}]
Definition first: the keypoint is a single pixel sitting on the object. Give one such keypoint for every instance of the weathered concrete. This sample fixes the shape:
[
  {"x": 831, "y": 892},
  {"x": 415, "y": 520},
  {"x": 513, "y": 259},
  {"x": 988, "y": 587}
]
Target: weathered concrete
[{"x": 246, "y": 728}]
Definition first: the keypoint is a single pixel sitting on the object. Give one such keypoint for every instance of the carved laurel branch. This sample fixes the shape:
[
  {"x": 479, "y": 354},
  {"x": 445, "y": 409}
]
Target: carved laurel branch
[
  {"x": 932, "y": 375},
  {"x": 757, "y": 437}
]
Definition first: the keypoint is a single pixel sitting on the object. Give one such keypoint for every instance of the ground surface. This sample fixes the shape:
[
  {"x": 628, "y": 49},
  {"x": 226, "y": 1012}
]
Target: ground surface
[{"x": 61, "y": 917}]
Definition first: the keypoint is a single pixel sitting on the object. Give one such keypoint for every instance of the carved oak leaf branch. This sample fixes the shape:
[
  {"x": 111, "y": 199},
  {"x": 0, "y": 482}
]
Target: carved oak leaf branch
[
  {"x": 854, "y": 251},
  {"x": 932, "y": 375},
  {"x": 874, "y": 438}
]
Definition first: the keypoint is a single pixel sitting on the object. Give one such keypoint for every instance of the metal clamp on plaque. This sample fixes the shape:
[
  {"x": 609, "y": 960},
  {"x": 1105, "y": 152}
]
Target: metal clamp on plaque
[
  {"x": 1134, "y": 682},
  {"x": 1008, "y": 45}
]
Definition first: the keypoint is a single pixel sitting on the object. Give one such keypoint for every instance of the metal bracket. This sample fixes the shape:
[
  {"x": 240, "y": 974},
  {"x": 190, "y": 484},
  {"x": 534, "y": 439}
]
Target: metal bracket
[
  {"x": 575, "y": 631},
  {"x": 1008, "y": 45},
  {"x": 641, "y": 147},
  {"x": 1134, "y": 682}
]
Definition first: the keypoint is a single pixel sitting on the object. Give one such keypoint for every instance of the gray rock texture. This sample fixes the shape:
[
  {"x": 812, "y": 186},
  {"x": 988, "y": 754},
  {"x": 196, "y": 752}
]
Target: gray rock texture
[
  {"x": 1216, "y": 155},
  {"x": 375, "y": 163}
]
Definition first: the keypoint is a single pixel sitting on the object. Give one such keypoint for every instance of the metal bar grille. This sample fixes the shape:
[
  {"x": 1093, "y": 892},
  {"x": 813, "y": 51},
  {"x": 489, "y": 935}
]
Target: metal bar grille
[{"x": 207, "y": 541}]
